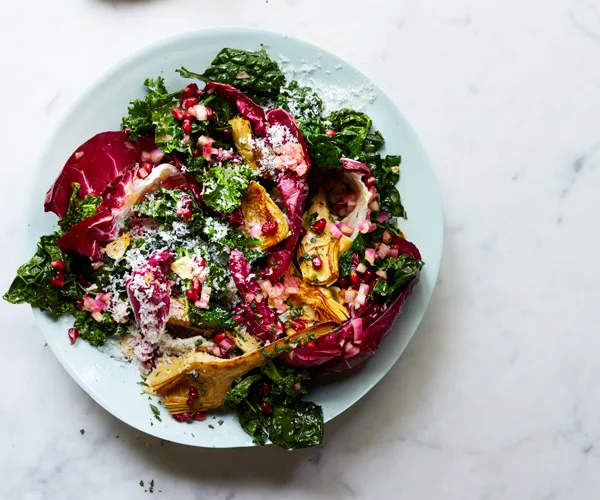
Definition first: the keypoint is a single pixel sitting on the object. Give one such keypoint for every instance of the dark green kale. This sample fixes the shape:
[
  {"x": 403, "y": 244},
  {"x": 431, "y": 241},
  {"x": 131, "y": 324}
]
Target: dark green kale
[
  {"x": 360, "y": 243},
  {"x": 79, "y": 208},
  {"x": 143, "y": 115},
  {"x": 292, "y": 424},
  {"x": 225, "y": 186},
  {"x": 96, "y": 332},
  {"x": 32, "y": 284},
  {"x": 215, "y": 318},
  {"x": 302, "y": 102},
  {"x": 351, "y": 130},
  {"x": 399, "y": 271},
  {"x": 387, "y": 172},
  {"x": 162, "y": 204},
  {"x": 254, "y": 73}
]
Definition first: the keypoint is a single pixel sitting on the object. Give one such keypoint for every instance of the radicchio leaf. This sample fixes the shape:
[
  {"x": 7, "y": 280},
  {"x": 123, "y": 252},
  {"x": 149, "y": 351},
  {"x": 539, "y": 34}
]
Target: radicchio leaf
[
  {"x": 94, "y": 165},
  {"x": 355, "y": 166},
  {"x": 261, "y": 320},
  {"x": 118, "y": 199},
  {"x": 149, "y": 292}
]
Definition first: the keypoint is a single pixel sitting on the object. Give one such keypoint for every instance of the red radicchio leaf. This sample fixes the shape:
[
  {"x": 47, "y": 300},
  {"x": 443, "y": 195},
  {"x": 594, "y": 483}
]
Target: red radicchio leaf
[
  {"x": 149, "y": 292},
  {"x": 355, "y": 166},
  {"x": 260, "y": 319},
  {"x": 117, "y": 201},
  {"x": 246, "y": 106},
  {"x": 94, "y": 165}
]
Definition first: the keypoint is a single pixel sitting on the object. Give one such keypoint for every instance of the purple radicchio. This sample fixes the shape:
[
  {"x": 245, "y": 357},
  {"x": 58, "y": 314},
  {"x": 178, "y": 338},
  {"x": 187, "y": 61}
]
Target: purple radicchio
[
  {"x": 260, "y": 319},
  {"x": 94, "y": 165},
  {"x": 118, "y": 199},
  {"x": 149, "y": 292}
]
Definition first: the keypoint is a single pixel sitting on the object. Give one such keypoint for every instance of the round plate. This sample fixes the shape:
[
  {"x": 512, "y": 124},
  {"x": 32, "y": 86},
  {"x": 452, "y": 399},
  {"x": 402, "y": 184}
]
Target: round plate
[{"x": 113, "y": 383}]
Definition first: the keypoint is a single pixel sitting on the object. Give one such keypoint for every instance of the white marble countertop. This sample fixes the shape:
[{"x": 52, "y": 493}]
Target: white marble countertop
[{"x": 497, "y": 395}]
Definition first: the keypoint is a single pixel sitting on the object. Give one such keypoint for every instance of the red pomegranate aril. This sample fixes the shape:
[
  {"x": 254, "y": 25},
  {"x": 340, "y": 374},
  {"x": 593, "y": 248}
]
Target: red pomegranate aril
[
  {"x": 301, "y": 233},
  {"x": 298, "y": 326},
  {"x": 190, "y": 402},
  {"x": 370, "y": 181},
  {"x": 56, "y": 282},
  {"x": 340, "y": 205},
  {"x": 187, "y": 116},
  {"x": 266, "y": 389},
  {"x": 219, "y": 337},
  {"x": 310, "y": 344},
  {"x": 354, "y": 277},
  {"x": 186, "y": 415},
  {"x": 191, "y": 295},
  {"x": 319, "y": 225},
  {"x": 330, "y": 132},
  {"x": 78, "y": 304},
  {"x": 189, "y": 102},
  {"x": 190, "y": 91},
  {"x": 368, "y": 275},
  {"x": 200, "y": 416},
  {"x": 317, "y": 262},
  {"x": 73, "y": 335},
  {"x": 395, "y": 246},
  {"x": 196, "y": 153},
  {"x": 196, "y": 286},
  {"x": 177, "y": 114},
  {"x": 266, "y": 408},
  {"x": 58, "y": 265},
  {"x": 342, "y": 282},
  {"x": 187, "y": 126},
  {"x": 269, "y": 228},
  {"x": 179, "y": 418}
]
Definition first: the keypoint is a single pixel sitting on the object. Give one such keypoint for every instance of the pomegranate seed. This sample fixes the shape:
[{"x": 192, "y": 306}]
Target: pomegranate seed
[
  {"x": 209, "y": 114},
  {"x": 370, "y": 181},
  {"x": 368, "y": 275},
  {"x": 78, "y": 304},
  {"x": 179, "y": 418},
  {"x": 196, "y": 153},
  {"x": 266, "y": 389},
  {"x": 193, "y": 394},
  {"x": 73, "y": 335},
  {"x": 269, "y": 228},
  {"x": 386, "y": 237},
  {"x": 237, "y": 317},
  {"x": 199, "y": 415},
  {"x": 84, "y": 282},
  {"x": 354, "y": 277},
  {"x": 177, "y": 114},
  {"x": 266, "y": 408},
  {"x": 330, "y": 132},
  {"x": 186, "y": 415},
  {"x": 58, "y": 265},
  {"x": 298, "y": 326},
  {"x": 302, "y": 233},
  {"x": 196, "y": 286},
  {"x": 191, "y": 101},
  {"x": 187, "y": 116},
  {"x": 187, "y": 126},
  {"x": 190, "y": 402},
  {"x": 56, "y": 282},
  {"x": 395, "y": 246},
  {"x": 185, "y": 213},
  {"x": 191, "y": 295},
  {"x": 190, "y": 91},
  {"x": 319, "y": 225},
  {"x": 310, "y": 344},
  {"x": 340, "y": 205},
  {"x": 342, "y": 282},
  {"x": 218, "y": 338},
  {"x": 317, "y": 262}
]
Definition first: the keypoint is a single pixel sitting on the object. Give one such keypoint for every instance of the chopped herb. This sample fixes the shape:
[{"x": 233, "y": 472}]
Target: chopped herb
[
  {"x": 156, "y": 412},
  {"x": 82, "y": 431},
  {"x": 221, "y": 422},
  {"x": 211, "y": 426}
]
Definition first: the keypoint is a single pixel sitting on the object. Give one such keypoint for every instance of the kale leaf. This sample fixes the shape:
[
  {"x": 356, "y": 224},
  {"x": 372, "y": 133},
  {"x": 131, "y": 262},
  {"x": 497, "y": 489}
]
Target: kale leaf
[
  {"x": 96, "y": 332},
  {"x": 254, "y": 73},
  {"x": 387, "y": 173},
  {"x": 143, "y": 114},
  {"x": 302, "y": 102},
  {"x": 351, "y": 129},
  {"x": 32, "y": 284},
  {"x": 224, "y": 187},
  {"x": 215, "y": 318},
  {"x": 79, "y": 208},
  {"x": 360, "y": 243},
  {"x": 399, "y": 272}
]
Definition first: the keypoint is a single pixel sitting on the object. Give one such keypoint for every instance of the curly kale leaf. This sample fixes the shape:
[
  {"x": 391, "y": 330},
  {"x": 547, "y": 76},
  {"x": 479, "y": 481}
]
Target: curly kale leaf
[
  {"x": 32, "y": 284},
  {"x": 79, "y": 208},
  {"x": 254, "y": 73},
  {"x": 302, "y": 102},
  {"x": 399, "y": 271},
  {"x": 387, "y": 173},
  {"x": 215, "y": 318},
  {"x": 224, "y": 187},
  {"x": 96, "y": 332}
]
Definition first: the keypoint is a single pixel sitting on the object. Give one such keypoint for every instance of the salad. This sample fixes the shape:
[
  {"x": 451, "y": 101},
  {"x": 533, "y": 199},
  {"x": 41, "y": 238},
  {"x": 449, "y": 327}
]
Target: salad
[{"x": 236, "y": 239}]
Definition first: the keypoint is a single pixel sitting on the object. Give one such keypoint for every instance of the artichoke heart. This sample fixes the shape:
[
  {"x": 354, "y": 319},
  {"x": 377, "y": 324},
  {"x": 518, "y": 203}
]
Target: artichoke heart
[
  {"x": 244, "y": 140},
  {"x": 258, "y": 209},
  {"x": 316, "y": 304},
  {"x": 212, "y": 376},
  {"x": 322, "y": 245}
]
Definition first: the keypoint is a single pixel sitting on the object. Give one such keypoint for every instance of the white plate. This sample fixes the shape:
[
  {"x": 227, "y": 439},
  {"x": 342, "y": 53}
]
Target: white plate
[{"x": 112, "y": 383}]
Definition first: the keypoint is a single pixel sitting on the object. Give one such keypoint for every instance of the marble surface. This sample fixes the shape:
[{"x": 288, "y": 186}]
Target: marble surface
[{"x": 496, "y": 396}]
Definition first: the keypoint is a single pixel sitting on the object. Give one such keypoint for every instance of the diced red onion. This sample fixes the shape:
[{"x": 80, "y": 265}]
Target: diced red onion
[
  {"x": 157, "y": 156},
  {"x": 374, "y": 205},
  {"x": 291, "y": 284},
  {"x": 347, "y": 229},
  {"x": 205, "y": 140},
  {"x": 382, "y": 217},
  {"x": 373, "y": 191},
  {"x": 335, "y": 232},
  {"x": 357, "y": 326},
  {"x": 364, "y": 226},
  {"x": 361, "y": 268},
  {"x": 382, "y": 274},
  {"x": 394, "y": 253},
  {"x": 383, "y": 251},
  {"x": 370, "y": 255},
  {"x": 349, "y": 296},
  {"x": 255, "y": 230},
  {"x": 146, "y": 156},
  {"x": 226, "y": 344},
  {"x": 361, "y": 298}
]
